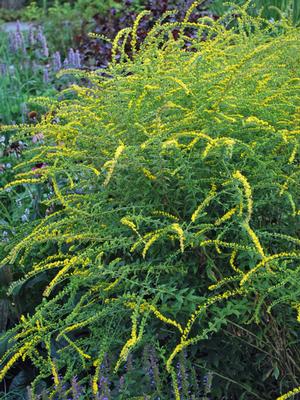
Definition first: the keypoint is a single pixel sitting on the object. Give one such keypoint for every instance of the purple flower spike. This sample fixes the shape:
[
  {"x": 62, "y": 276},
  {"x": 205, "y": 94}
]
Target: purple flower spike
[
  {"x": 38, "y": 137},
  {"x": 3, "y": 69},
  {"x": 121, "y": 384},
  {"x": 71, "y": 58},
  {"x": 56, "y": 61},
  {"x": 77, "y": 59},
  {"x": 16, "y": 41},
  {"x": 66, "y": 63},
  {"x": 76, "y": 390},
  {"x": 41, "y": 38},
  {"x": 46, "y": 78},
  {"x": 31, "y": 36},
  {"x": 18, "y": 27}
]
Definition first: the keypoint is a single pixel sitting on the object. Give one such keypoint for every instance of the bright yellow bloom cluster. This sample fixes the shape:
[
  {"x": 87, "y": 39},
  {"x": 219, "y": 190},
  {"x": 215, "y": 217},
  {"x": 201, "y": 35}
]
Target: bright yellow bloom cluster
[
  {"x": 217, "y": 142},
  {"x": 267, "y": 260},
  {"x": 82, "y": 354},
  {"x": 149, "y": 175},
  {"x": 134, "y": 339},
  {"x": 186, "y": 342},
  {"x": 165, "y": 214},
  {"x": 226, "y": 216},
  {"x": 19, "y": 354},
  {"x": 24, "y": 182},
  {"x": 112, "y": 163},
  {"x": 150, "y": 242},
  {"x": 123, "y": 32},
  {"x": 130, "y": 224},
  {"x": 146, "y": 306},
  {"x": 161, "y": 317},
  {"x": 229, "y": 245},
  {"x": 289, "y": 394},
  {"x": 298, "y": 312},
  {"x": 135, "y": 28},
  {"x": 294, "y": 153},
  {"x": 191, "y": 9},
  {"x": 232, "y": 264},
  {"x": 255, "y": 239},
  {"x": 205, "y": 202},
  {"x": 248, "y": 192},
  {"x": 177, "y": 228}
]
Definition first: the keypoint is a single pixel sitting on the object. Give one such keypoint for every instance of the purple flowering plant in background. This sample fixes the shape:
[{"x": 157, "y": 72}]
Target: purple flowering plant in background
[
  {"x": 28, "y": 68},
  {"x": 33, "y": 53},
  {"x": 144, "y": 378}
]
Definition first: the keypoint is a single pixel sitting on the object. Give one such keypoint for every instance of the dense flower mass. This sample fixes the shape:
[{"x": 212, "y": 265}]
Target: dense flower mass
[{"x": 170, "y": 230}]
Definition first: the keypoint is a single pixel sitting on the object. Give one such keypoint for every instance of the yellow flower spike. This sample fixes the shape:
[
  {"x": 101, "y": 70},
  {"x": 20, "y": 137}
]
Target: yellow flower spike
[
  {"x": 232, "y": 264},
  {"x": 112, "y": 285},
  {"x": 293, "y": 154},
  {"x": 150, "y": 242},
  {"x": 149, "y": 175},
  {"x": 131, "y": 342},
  {"x": 135, "y": 28},
  {"x": 267, "y": 260},
  {"x": 177, "y": 350},
  {"x": 229, "y": 245},
  {"x": 222, "y": 141},
  {"x": 52, "y": 364},
  {"x": 95, "y": 381},
  {"x": 284, "y": 187},
  {"x": 38, "y": 325},
  {"x": 177, "y": 228},
  {"x": 57, "y": 191},
  {"x": 146, "y": 306},
  {"x": 125, "y": 221},
  {"x": 201, "y": 307},
  {"x": 298, "y": 312},
  {"x": 207, "y": 149},
  {"x": 255, "y": 239},
  {"x": 181, "y": 84},
  {"x": 175, "y": 383},
  {"x": 136, "y": 245},
  {"x": 165, "y": 214},
  {"x": 292, "y": 203},
  {"x": 140, "y": 100},
  {"x": 218, "y": 250},
  {"x": 248, "y": 192},
  {"x": 81, "y": 353},
  {"x": 226, "y": 216},
  {"x": 223, "y": 282},
  {"x": 205, "y": 202},
  {"x": 115, "y": 46},
  {"x": 21, "y": 353},
  {"x": 23, "y": 319},
  {"x": 81, "y": 324},
  {"x": 113, "y": 163},
  {"x": 67, "y": 265},
  {"x": 161, "y": 317},
  {"x": 289, "y": 394},
  {"x": 24, "y": 182},
  {"x": 191, "y": 9},
  {"x": 170, "y": 143}
]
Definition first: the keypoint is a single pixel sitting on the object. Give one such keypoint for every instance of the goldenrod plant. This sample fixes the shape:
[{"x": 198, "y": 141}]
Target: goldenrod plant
[{"x": 173, "y": 215}]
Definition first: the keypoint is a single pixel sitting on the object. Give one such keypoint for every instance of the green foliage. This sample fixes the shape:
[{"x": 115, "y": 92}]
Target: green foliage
[
  {"x": 271, "y": 9},
  {"x": 63, "y": 21},
  {"x": 173, "y": 214}
]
